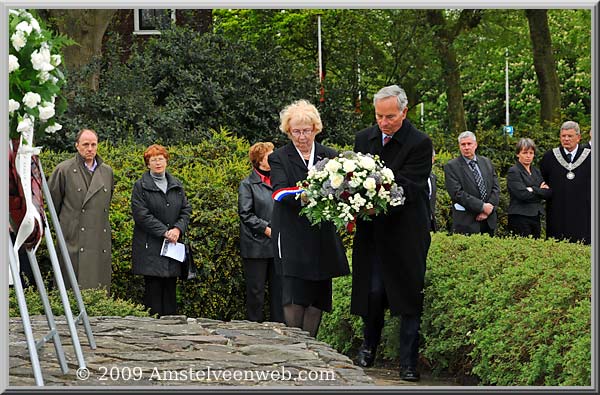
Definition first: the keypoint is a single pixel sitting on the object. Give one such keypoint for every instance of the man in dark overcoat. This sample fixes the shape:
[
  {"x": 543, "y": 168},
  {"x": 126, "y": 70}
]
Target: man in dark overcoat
[
  {"x": 81, "y": 190},
  {"x": 390, "y": 252},
  {"x": 568, "y": 172}
]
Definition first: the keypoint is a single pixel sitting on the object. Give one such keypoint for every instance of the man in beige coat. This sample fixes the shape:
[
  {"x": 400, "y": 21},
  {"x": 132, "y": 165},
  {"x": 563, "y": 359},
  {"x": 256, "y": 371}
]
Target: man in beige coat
[{"x": 81, "y": 189}]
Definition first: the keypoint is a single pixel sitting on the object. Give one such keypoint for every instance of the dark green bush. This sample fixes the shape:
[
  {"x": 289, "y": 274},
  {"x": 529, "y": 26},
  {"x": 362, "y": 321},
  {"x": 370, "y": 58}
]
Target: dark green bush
[
  {"x": 508, "y": 311},
  {"x": 96, "y": 302},
  {"x": 179, "y": 85}
]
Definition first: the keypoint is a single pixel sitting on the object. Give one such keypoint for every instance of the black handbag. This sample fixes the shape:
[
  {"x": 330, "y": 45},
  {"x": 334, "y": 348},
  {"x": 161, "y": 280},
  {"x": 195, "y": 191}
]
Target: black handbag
[{"x": 188, "y": 267}]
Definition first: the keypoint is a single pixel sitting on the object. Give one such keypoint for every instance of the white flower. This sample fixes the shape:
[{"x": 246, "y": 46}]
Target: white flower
[
  {"x": 332, "y": 166},
  {"x": 43, "y": 76},
  {"x": 26, "y": 124},
  {"x": 13, "y": 63},
  {"x": 55, "y": 60},
  {"x": 387, "y": 173},
  {"x": 35, "y": 25},
  {"x": 367, "y": 162},
  {"x": 13, "y": 106},
  {"x": 40, "y": 58},
  {"x": 53, "y": 128},
  {"x": 369, "y": 184},
  {"x": 31, "y": 99},
  {"x": 18, "y": 40},
  {"x": 46, "y": 110},
  {"x": 349, "y": 166},
  {"x": 24, "y": 27},
  {"x": 336, "y": 180}
]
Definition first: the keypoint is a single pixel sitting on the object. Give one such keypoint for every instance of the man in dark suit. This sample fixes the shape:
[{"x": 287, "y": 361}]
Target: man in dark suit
[
  {"x": 390, "y": 252},
  {"x": 568, "y": 172},
  {"x": 473, "y": 187},
  {"x": 432, "y": 195}
]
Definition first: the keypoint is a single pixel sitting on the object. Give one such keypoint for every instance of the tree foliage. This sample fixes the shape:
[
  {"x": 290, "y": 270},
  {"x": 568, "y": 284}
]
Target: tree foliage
[{"x": 182, "y": 83}]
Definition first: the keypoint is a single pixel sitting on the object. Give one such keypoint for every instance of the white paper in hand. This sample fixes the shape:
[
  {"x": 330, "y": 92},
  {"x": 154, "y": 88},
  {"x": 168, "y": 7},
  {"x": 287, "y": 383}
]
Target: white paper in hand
[{"x": 175, "y": 251}]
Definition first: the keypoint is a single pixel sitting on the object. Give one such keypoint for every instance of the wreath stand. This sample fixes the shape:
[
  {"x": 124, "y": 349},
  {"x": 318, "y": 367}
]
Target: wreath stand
[{"x": 52, "y": 335}]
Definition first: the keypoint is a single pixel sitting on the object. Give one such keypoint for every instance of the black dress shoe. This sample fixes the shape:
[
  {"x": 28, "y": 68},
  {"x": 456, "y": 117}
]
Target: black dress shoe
[
  {"x": 409, "y": 373},
  {"x": 366, "y": 356}
]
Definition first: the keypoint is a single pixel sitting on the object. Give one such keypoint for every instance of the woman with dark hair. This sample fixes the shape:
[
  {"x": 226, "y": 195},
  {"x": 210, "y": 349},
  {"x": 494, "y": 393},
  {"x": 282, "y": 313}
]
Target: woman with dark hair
[
  {"x": 255, "y": 206},
  {"x": 160, "y": 211},
  {"x": 527, "y": 189}
]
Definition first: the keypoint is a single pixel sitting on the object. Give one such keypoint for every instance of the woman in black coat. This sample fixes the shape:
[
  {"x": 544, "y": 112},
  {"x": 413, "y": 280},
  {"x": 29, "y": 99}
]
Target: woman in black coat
[
  {"x": 309, "y": 256},
  {"x": 160, "y": 211},
  {"x": 255, "y": 206},
  {"x": 527, "y": 189}
]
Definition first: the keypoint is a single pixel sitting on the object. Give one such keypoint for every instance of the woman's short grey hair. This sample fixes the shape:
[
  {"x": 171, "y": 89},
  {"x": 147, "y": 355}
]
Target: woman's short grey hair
[
  {"x": 524, "y": 144},
  {"x": 465, "y": 135},
  {"x": 571, "y": 125},
  {"x": 392, "y": 91}
]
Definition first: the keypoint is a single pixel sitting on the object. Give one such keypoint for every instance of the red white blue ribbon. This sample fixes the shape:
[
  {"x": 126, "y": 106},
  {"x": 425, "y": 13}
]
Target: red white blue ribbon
[{"x": 279, "y": 194}]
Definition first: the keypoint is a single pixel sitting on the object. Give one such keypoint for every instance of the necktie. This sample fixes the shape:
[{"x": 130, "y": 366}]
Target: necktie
[
  {"x": 386, "y": 139},
  {"x": 570, "y": 157},
  {"x": 478, "y": 180}
]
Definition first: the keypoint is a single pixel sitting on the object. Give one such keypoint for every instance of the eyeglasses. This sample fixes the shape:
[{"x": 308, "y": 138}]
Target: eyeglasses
[
  {"x": 159, "y": 159},
  {"x": 303, "y": 132}
]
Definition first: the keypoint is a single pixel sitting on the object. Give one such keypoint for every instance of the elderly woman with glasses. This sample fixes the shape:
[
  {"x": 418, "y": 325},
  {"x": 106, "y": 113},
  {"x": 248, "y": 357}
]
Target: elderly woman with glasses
[
  {"x": 161, "y": 212},
  {"x": 307, "y": 256}
]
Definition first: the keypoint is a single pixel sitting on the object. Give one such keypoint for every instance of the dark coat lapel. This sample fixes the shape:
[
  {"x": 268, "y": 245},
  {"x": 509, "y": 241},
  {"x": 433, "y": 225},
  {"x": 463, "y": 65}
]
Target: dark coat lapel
[{"x": 295, "y": 158}]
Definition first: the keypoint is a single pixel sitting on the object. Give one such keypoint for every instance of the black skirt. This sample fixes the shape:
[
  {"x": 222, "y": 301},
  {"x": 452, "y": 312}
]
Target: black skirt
[{"x": 307, "y": 292}]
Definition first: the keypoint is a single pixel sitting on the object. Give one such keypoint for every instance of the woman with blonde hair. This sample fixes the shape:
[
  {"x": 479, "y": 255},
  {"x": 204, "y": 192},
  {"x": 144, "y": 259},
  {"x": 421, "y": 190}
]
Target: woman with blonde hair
[{"x": 308, "y": 256}]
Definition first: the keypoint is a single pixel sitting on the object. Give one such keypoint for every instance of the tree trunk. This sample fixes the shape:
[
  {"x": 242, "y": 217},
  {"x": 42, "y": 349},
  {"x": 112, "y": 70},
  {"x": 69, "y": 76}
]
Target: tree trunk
[
  {"x": 86, "y": 27},
  {"x": 446, "y": 32},
  {"x": 545, "y": 65}
]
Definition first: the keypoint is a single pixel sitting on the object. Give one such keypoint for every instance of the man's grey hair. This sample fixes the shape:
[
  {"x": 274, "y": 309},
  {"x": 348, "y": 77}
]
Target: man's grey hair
[
  {"x": 571, "y": 125},
  {"x": 465, "y": 135},
  {"x": 392, "y": 91}
]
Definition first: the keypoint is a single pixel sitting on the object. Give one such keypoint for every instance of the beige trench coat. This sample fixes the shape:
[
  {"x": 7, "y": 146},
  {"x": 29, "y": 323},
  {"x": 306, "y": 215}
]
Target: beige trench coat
[{"x": 83, "y": 215}]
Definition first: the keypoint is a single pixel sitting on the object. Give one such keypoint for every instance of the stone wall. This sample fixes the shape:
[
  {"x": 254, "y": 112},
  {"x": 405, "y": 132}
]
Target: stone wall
[{"x": 176, "y": 350}]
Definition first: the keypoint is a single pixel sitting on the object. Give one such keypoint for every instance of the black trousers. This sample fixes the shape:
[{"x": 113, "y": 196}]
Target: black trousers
[
  {"x": 256, "y": 273},
  {"x": 160, "y": 295},
  {"x": 373, "y": 322},
  {"x": 524, "y": 225}
]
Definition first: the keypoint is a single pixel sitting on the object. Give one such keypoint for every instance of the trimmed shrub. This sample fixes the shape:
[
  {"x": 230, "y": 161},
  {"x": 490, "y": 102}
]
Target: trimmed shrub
[
  {"x": 508, "y": 311},
  {"x": 96, "y": 302}
]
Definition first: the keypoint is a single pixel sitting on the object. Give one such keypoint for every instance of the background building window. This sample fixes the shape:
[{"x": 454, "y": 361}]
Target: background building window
[{"x": 152, "y": 21}]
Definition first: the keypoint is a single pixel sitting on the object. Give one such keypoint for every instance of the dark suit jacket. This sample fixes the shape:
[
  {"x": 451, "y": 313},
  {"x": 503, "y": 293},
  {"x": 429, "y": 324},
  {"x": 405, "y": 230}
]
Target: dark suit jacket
[
  {"x": 522, "y": 201},
  {"x": 307, "y": 252},
  {"x": 399, "y": 239},
  {"x": 433, "y": 200},
  {"x": 462, "y": 188}
]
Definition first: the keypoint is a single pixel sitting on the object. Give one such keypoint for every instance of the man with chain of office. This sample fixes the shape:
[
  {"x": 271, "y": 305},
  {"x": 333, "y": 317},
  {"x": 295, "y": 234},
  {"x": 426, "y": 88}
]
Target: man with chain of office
[{"x": 568, "y": 172}]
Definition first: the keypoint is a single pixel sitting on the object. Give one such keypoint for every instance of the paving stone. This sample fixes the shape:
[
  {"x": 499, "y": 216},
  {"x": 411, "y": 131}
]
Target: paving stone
[{"x": 182, "y": 351}]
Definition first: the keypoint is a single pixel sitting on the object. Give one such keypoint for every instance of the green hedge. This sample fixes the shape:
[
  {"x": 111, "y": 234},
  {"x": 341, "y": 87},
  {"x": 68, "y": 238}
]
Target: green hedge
[
  {"x": 509, "y": 311},
  {"x": 96, "y": 302}
]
